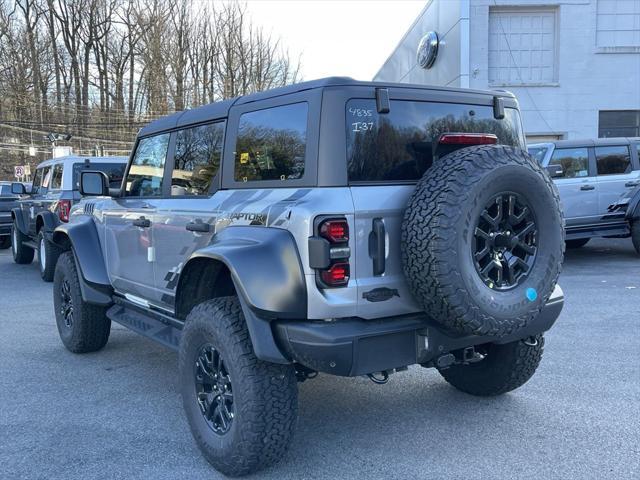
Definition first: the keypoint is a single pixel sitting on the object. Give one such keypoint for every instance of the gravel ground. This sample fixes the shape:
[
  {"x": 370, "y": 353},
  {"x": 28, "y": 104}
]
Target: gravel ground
[{"x": 117, "y": 413}]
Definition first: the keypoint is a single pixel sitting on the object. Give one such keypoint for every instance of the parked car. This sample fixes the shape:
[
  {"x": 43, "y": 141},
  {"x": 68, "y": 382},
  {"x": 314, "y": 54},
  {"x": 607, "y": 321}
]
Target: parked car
[
  {"x": 48, "y": 203},
  {"x": 350, "y": 228},
  {"x": 590, "y": 176},
  {"x": 627, "y": 207},
  {"x": 8, "y": 201}
]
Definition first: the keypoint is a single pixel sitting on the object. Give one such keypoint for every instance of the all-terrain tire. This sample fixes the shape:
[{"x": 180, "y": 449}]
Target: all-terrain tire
[
  {"x": 635, "y": 235},
  {"x": 48, "y": 254},
  {"x": 83, "y": 327},
  {"x": 265, "y": 395},
  {"x": 21, "y": 253},
  {"x": 504, "y": 368},
  {"x": 5, "y": 242},
  {"x": 439, "y": 234},
  {"x": 581, "y": 242}
]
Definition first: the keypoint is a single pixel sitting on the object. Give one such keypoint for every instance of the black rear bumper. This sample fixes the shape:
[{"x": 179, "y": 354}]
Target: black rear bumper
[{"x": 353, "y": 346}]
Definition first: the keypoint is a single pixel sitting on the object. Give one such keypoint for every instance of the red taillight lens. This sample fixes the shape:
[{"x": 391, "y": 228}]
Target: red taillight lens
[
  {"x": 336, "y": 231},
  {"x": 64, "y": 207},
  {"x": 336, "y": 276},
  {"x": 468, "y": 139}
]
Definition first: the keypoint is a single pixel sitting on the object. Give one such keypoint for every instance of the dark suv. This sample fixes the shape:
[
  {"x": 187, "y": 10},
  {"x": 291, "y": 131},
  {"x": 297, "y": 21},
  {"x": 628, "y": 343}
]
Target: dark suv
[
  {"x": 48, "y": 203},
  {"x": 8, "y": 201},
  {"x": 335, "y": 226}
]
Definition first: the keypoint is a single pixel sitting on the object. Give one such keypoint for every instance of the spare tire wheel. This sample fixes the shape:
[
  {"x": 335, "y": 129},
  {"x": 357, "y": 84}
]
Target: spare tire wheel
[{"x": 483, "y": 240}]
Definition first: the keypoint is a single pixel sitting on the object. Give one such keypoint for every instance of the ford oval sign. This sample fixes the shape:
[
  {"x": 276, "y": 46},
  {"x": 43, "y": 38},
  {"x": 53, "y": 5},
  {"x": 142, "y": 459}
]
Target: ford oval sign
[{"x": 428, "y": 50}]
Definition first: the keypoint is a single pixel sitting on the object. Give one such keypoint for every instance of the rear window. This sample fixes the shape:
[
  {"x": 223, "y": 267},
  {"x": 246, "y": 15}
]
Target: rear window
[
  {"x": 56, "y": 177},
  {"x": 398, "y": 146},
  {"x": 115, "y": 172}
]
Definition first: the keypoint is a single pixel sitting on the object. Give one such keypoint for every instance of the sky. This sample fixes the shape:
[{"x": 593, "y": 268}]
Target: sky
[{"x": 337, "y": 37}]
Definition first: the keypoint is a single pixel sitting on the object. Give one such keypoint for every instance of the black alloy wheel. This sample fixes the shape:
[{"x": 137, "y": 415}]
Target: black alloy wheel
[
  {"x": 66, "y": 303},
  {"x": 505, "y": 241},
  {"x": 214, "y": 393}
]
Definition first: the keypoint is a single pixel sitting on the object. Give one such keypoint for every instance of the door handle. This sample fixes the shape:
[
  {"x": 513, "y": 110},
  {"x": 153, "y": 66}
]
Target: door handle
[
  {"x": 632, "y": 184},
  {"x": 198, "y": 226},
  {"x": 377, "y": 246},
  {"x": 142, "y": 222},
  {"x": 587, "y": 187}
]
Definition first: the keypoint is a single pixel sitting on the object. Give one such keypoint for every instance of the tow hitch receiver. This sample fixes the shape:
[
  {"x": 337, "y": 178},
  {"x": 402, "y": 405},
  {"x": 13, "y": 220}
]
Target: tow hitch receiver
[{"x": 461, "y": 357}]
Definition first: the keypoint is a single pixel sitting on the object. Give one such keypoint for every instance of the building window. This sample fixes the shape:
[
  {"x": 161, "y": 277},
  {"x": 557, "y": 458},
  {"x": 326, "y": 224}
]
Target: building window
[
  {"x": 618, "y": 23},
  {"x": 619, "y": 123},
  {"x": 522, "y": 46}
]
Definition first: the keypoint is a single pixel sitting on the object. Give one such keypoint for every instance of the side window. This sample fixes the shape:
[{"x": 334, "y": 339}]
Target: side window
[
  {"x": 144, "y": 178},
  {"x": 46, "y": 179},
  {"x": 56, "y": 177},
  {"x": 574, "y": 161},
  {"x": 197, "y": 159},
  {"x": 613, "y": 160},
  {"x": 37, "y": 181},
  {"x": 271, "y": 144}
]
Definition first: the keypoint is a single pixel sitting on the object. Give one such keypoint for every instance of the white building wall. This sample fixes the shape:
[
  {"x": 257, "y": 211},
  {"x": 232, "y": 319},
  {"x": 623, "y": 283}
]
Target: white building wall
[
  {"x": 450, "y": 18},
  {"x": 589, "y": 78},
  {"x": 596, "y": 62}
]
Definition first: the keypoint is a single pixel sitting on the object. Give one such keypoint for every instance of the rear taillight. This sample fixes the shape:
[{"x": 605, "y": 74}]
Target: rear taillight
[
  {"x": 64, "y": 208},
  {"x": 336, "y": 276},
  {"x": 336, "y": 231},
  {"x": 468, "y": 139},
  {"x": 331, "y": 252}
]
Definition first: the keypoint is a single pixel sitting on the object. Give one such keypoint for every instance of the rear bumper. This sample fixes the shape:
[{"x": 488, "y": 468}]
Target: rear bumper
[{"x": 353, "y": 346}]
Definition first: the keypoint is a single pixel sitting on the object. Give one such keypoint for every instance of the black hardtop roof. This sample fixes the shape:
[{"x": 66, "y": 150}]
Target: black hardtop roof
[{"x": 220, "y": 109}]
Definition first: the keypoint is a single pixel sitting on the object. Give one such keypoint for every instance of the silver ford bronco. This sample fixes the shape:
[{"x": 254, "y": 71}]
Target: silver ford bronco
[{"x": 334, "y": 226}]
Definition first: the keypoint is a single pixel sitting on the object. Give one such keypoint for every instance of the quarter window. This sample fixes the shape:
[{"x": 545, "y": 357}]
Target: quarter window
[
  {"x": 144, "y": 178},
  {"x": 613, "y": 160},
  {"x": 197, "y": 159},
  {"x": 56, "y": 177},
  {"x": 574, "y": 161},
  {"x": 271, "y": 144}
]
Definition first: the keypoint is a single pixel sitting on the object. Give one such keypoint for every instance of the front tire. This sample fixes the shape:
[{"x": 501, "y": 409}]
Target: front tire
[
  {"x": 83, "y": 327},
  {"x": 248, "y": 426},
  {"x": 21, "y": 253},
  {"x": 504, "y": 368},
  {"x": 48, "y": 255}
]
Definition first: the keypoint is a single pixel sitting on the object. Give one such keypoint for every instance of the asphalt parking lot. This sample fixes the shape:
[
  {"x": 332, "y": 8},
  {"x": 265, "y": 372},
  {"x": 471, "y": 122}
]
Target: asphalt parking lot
[{"x": 117, "y": 413}]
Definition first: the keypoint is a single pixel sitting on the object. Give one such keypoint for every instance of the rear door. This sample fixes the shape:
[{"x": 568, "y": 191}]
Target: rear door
[
  {"x": 386, "y": 154},
  {"x": 577, "y": 186},
  {"x": 617, "y": 173}
]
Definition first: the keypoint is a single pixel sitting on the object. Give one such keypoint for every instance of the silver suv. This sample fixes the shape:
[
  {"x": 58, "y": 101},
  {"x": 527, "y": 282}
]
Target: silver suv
[
  {"x": 334, "y": 226},
  {"x": 592, "y": 175}
]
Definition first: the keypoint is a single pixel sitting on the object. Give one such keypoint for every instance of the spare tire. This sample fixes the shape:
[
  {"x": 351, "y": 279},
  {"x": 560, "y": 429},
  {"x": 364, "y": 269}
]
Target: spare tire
[{"x": 483, "y": 240}]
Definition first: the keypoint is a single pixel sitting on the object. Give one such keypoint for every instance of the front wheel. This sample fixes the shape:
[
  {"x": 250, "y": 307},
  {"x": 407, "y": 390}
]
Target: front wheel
[
  {"x": 21, "y": 253},
  {"x": 241, "y": 410},
  {"x": 83, "y": 327},
  {"x": 48, "y": 255},
  {"x": 504, "y": 368}
]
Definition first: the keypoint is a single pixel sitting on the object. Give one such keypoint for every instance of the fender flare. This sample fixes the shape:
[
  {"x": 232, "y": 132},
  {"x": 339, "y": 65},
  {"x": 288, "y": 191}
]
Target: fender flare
[
  {"x": 49, "y": 222},
  {"x": 82, "y": 239},
  {"x": 266, "y": 271},
  {"x": 633, "y": 209},
  {"x": 16, "y": 216}
]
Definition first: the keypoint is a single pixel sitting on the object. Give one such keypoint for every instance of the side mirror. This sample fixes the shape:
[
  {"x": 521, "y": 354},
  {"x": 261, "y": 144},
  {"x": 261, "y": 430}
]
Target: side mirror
[
  {"x": 555, "y": 171},
  {"x": 94, "y": 183},
  {"x": 18, "y": 188}
]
